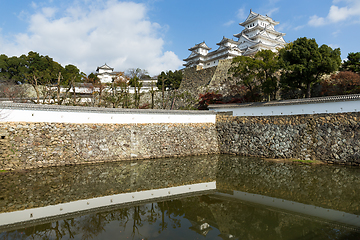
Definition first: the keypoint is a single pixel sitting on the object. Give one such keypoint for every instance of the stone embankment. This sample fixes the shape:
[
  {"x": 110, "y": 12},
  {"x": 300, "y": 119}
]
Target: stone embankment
[
  {"x": 29, "y": 145},
  {"x": 332, "y": 138}
]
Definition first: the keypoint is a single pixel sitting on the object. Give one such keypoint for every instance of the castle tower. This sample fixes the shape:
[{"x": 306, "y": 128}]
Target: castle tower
[
  {"x": 259, "y": 34},
  {"x": 198, "y": 55}
]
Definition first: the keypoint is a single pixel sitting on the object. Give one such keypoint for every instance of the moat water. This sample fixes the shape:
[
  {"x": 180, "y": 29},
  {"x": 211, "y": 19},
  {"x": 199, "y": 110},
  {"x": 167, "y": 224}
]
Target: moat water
[{"x": 203, "y": 197}]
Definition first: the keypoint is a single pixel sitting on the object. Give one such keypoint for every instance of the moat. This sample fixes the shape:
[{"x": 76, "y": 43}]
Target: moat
[{"x": 202, "y": 197}]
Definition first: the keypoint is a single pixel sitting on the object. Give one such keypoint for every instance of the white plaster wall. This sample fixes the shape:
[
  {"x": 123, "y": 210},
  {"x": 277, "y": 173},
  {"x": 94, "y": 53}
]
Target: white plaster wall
[
  {"x": 17, "y": 115},
  {"x": 106, "y": 78},
  {"x": 93, "y": 203},
  {"x": 291, "y": 206},
  {"x": 313, "y": 108}
]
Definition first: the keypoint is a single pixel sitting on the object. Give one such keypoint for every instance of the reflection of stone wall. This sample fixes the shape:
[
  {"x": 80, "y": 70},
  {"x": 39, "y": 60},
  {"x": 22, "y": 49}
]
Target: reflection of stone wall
[
  {"x": 49, "y": 186},
  {"x": 54, "y": 144},
  {"x": 327, "y": 186},
  {"x": 326, "y": 137}
]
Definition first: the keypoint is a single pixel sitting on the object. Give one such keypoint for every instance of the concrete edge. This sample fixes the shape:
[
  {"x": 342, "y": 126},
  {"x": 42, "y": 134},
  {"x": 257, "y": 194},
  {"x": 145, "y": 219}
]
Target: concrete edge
[
  {"x": 61, "y": 108},
  {"x": 339, "y": 98}
]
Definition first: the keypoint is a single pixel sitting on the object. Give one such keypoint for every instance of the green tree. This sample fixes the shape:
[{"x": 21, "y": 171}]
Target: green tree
[
  {"x": 41, "y": 70},
  {"x": 67, "y": 79},
  {"x": 267, "y": 73},
  {"x": 246, "y": 71},
  {"x": 257, "y": 74},
  {"x": 304, "y": 63},
  {"x": 13, "y": 68},
  {"x": 71, "y": 74},
  {"x": 352, "y": 63},
  {"x": 169, "y": 80}
]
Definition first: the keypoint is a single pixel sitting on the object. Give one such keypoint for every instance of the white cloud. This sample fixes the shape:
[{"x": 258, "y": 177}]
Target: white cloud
[
  {"x": 229, "y": 23},
  {"x": 119, "y": 33},
  {"x": 299, "y": 27},
  {"x": 241, "y": 14},
  {"x": 283, "y": 27},
  {"x": 274, "y": 10},
  {"x": 336, "y": 33},
  {"x": 338, "y": 14},
  {"x": 317, "y": 21},
  {"x": 33, "y": 5},
  {"x": 334, "y": 46}
]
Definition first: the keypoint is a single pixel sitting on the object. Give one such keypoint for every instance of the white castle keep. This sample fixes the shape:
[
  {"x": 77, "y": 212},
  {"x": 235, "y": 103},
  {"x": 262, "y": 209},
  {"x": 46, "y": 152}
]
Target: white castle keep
[{"x": 259, "y": 34}]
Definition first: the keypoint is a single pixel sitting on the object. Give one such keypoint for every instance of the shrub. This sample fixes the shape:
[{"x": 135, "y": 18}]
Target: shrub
[{"x": 345, "y": 82}]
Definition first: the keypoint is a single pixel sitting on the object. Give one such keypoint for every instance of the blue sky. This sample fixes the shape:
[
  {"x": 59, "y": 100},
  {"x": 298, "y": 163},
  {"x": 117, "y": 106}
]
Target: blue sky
[{"x": 156, "y": 34}]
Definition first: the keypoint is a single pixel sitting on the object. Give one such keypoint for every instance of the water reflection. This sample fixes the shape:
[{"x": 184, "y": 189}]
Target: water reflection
[
  {"x": 334, "y": 187},
  {"x": 213, "y": 215},
  {"x": 50, "y": 186}
]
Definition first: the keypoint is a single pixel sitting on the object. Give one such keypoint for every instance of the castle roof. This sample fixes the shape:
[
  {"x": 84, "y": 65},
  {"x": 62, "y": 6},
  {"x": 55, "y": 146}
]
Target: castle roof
[
  {"x": 200, "y": 45},
  {"x": 253, "y": 16},
  {"x": 225, "y": 40},
  {"x": 105, "y": 67}
]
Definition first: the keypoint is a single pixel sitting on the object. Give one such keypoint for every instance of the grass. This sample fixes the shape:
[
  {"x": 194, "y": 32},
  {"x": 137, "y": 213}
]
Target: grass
[
  {"x": 303, "y": 161},
  {"x": 3, "y": 171}
]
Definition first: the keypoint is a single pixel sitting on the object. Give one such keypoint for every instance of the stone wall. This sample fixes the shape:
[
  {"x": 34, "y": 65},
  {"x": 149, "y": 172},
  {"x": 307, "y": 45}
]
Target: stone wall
[
  {"x": 326, "y": 137},
  {"x": 29, "y": 145},
  {"x": 208, "y": 79},
  {"x": 221, "y": 73},
  {"x": 193, "y": 78}
]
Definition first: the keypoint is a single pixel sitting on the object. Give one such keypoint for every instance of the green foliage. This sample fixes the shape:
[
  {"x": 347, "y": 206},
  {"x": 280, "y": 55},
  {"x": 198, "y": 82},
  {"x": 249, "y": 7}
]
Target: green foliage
[
  {"x": 169, "y": 80},
  {"x": 246, "y": 69},
  {"x": 91, "y": 78},
  {"x": 27, "y": 68},
  {"x": 12, "y": 68},
  {"x": 304, "y": 64},
  {"x": 268, "y": 67},
  {"x": 352, "y": 63},
  {"x": 303, "y": 161},
  {"x": 71, "y": 73},
  {"x": 135, "y": 82},
  {"x": 43, "y": 68},
  {"x": 257, "y": 74}
]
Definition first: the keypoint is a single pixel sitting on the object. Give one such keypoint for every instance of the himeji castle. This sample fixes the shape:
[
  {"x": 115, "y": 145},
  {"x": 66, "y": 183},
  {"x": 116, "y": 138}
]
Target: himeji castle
[{"x": 259, "y": 34}]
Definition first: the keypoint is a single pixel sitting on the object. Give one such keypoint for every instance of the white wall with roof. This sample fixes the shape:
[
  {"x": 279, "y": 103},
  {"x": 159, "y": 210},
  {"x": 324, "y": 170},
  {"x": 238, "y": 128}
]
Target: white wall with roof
[
  {"x": 337, "y": 104},
  {"x": 66, "y": 114}
]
